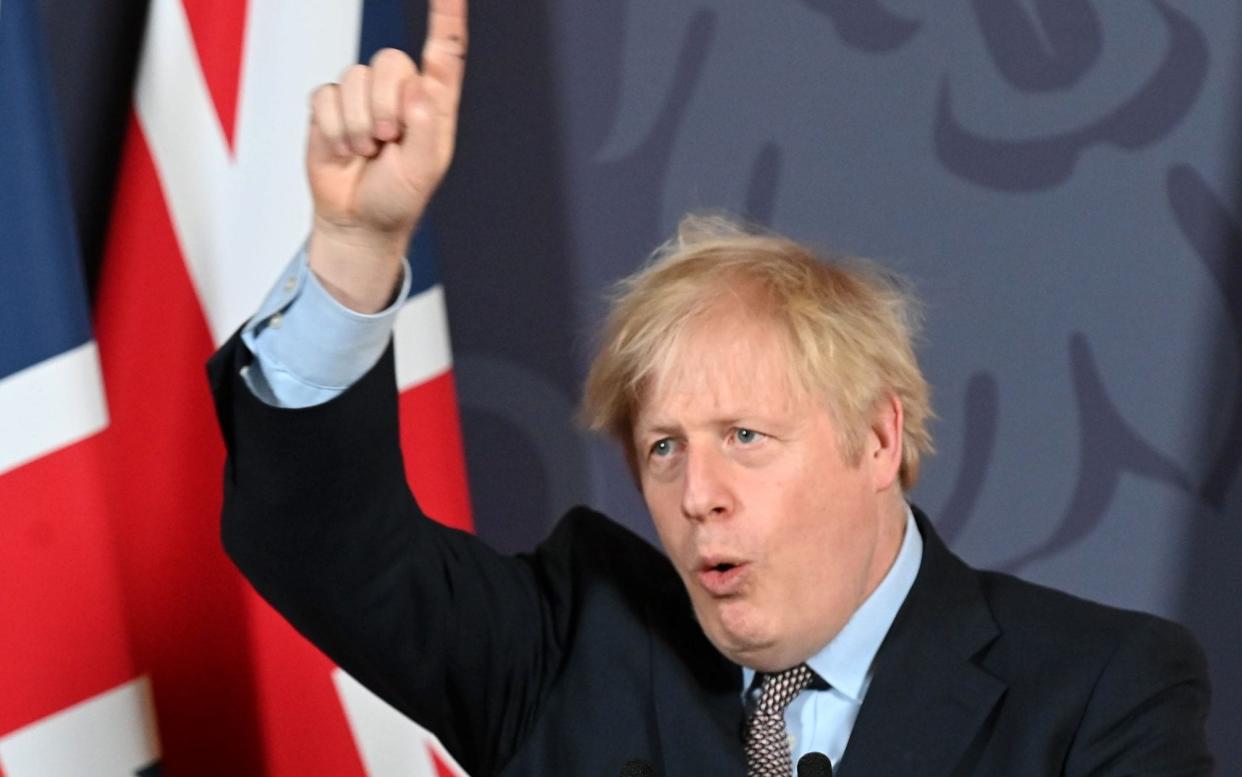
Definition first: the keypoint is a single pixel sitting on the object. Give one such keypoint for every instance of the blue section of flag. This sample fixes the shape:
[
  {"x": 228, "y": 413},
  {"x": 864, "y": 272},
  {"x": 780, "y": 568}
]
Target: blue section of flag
[
  {"x": 424, "y": 272},
  {"x": 44, "y": 309},
  {"x": 388, "y": 24}
]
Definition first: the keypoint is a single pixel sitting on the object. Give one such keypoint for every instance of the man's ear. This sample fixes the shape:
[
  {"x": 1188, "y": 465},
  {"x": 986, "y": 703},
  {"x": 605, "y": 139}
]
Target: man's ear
[{"x": 884, "y": 442}]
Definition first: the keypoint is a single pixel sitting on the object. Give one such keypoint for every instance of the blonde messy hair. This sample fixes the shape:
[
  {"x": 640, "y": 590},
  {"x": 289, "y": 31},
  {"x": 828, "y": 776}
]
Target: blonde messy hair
[{"x": 848, "y": 326}]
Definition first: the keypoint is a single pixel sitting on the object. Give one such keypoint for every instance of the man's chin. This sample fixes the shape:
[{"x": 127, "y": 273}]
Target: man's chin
[
  {"x": 743, "y": 644},
  {"x": 761, "y": 651}
]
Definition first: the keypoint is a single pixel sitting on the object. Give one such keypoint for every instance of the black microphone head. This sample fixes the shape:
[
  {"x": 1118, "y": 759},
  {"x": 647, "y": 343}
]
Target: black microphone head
[
  {"x": 814, "y": 765},
  {"x": 637, "y": 769}
]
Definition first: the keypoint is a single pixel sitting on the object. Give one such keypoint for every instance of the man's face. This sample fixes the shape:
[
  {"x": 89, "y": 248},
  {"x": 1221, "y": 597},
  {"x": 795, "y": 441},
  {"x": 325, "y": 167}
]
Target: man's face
[{"x": 776, "y": 537}]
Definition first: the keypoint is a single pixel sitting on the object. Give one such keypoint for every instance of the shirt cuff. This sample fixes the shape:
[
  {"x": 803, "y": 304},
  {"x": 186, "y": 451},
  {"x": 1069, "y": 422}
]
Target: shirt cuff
[{"x": 308, "y": 347}]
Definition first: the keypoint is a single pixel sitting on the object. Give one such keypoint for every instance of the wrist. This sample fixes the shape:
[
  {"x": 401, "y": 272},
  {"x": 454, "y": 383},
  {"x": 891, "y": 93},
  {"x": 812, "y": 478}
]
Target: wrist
[{"x": 359, "y": 267}]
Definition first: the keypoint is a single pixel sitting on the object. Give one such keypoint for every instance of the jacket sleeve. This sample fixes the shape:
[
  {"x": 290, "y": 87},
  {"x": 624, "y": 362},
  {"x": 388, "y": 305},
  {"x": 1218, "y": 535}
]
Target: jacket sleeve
[
  {"x": 1147, "y": 713},
  {"x": 318, "y": 516}
]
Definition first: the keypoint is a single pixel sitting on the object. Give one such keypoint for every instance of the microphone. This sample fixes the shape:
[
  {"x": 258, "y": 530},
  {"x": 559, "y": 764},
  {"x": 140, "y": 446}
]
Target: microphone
[
  {"x": 814, "y": 765},
  {"x": 644, "y": 769}
]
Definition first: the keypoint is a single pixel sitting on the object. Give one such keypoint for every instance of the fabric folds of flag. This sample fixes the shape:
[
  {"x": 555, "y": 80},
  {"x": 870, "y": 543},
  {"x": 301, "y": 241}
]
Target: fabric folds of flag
[
  {"x": 73, "y": 701},
  {"x": 119, "y": 515}
]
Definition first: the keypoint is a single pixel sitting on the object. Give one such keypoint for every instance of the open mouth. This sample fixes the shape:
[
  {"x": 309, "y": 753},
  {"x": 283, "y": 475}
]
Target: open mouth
[{"x": 722, "y": 578}]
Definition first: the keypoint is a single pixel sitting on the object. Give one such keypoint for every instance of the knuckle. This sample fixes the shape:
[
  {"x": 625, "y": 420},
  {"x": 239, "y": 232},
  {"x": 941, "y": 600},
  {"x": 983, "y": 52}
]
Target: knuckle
[
  {"x": 330, "y": 131},
  {"x": 389, "y": 57},
  {"x": 325, "y": 108},
  {"x": 355, "y": 73},
  {"x": 323, "y": 94},
  {"x": 383, "y": 111},
  {"x": 358, "y": 126},
  {"x": 359, "y": 135}
]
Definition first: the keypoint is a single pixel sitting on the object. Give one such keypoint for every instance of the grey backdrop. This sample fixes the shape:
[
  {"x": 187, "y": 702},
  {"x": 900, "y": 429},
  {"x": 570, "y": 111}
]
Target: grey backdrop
[{"x": 1059, "y": 177}]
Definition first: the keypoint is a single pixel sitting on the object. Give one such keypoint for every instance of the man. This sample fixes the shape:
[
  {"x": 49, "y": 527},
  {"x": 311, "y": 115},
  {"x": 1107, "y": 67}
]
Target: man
[{"x": 772, "y": 413}]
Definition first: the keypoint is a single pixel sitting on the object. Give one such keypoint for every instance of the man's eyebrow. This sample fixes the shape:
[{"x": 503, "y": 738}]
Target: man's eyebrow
[
  {"x": 663, "y": 428},
  {"x": 671, "y": 428}
]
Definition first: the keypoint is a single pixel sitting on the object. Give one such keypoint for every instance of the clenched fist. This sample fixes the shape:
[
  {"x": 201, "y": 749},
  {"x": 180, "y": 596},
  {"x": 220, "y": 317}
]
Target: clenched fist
[{"x": 380, "y": 143}]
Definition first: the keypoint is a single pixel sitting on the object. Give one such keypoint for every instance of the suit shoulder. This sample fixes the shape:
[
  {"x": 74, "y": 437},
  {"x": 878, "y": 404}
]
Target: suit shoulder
[
  {"x": 1046, "y": 622},
  {"x": 1132, "y": 687},
  {"x": 1015, "y": 601}
]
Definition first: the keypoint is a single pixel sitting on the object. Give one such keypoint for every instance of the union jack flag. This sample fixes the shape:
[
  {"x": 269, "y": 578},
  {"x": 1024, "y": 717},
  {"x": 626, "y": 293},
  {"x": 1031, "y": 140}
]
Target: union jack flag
[{"x": 130, "y": 645}]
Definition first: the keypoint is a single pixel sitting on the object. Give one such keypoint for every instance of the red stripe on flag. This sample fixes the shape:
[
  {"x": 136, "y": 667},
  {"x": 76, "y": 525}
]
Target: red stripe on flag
[
  {"x": 442, "y": 768},
  {"x": 236, "y": 690},
  {"x": 435, "y": 462},
  {"x": 185, "y": 605},
  {"x": 303, "y": 723},
  {"x": 219, "y": 30},
  {"x": 63, "y": 639}
]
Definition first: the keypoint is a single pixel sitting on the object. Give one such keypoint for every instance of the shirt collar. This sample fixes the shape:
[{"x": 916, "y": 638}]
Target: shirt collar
[{"x": 845, "y": 662}]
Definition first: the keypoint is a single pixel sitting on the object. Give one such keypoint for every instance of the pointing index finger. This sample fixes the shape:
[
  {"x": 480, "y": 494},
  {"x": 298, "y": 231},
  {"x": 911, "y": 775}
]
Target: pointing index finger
[{"x": 444, "y": 52}]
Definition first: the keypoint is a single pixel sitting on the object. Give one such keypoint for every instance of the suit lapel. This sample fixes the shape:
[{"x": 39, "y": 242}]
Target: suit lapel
[{"x": 928, "y": 699}]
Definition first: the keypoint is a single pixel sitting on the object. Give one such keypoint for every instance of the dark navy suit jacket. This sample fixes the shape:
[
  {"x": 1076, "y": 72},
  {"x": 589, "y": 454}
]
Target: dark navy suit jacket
[{"x": 585, "y": 653}]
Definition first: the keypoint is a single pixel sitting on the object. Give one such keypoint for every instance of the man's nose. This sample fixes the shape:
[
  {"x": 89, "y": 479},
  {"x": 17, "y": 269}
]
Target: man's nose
[{"x": 706, "y": 490}]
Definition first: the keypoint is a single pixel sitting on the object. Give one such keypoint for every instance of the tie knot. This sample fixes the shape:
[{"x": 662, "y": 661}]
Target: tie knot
[{"x": 780, "y": 688}]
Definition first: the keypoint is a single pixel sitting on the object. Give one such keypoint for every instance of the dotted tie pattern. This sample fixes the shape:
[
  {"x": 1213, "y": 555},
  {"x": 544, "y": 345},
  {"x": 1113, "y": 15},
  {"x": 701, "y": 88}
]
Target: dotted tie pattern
[{"x": 767, "y": 741}]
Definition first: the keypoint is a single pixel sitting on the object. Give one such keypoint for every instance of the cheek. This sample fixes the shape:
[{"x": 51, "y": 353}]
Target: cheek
[
  {"x": 837, "y": 563},
  {"x": 823, "y": 545}
]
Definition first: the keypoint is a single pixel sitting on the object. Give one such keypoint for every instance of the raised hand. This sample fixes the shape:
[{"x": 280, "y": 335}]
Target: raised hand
[{"x": 380, "y": 143}]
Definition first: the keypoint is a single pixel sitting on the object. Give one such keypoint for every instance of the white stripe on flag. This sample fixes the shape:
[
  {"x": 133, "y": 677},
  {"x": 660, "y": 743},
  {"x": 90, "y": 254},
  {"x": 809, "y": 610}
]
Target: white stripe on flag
[
  {"x": 109, "y": 735},
  {"x": 422, "y": 340},
  {"x": 239, "y": 216},
  {"x": 187, "y": 143},
  {"x": 50, "y": 405},
  {"x": 390, "y": 744}
]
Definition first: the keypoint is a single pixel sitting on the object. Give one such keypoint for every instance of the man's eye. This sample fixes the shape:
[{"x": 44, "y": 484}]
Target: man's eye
[
  {"x": 747, "y": 436},
  {"x": 662, "y": 447}
]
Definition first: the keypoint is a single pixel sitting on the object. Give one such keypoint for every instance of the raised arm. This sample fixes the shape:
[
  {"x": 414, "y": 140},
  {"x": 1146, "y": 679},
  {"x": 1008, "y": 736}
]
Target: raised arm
[
  {"x": 380, "y": 143},
  {"x": 317, "y": 513}
]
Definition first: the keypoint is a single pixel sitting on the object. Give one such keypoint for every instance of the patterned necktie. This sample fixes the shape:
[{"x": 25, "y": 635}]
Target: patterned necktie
[{"x": 767, "y": 741}]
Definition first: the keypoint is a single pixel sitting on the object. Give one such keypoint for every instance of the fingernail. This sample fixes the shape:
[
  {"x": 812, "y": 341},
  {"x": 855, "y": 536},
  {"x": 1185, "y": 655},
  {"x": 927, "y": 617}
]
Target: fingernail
[{"x": 386, "y": 129}]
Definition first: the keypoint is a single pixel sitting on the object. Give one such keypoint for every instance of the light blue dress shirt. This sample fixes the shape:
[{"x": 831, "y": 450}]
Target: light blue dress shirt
[{"x": 309, "y": 348}]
